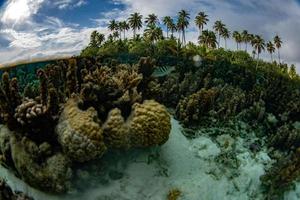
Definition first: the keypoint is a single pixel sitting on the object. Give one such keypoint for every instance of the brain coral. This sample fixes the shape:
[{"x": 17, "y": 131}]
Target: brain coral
[
  {"x": 149, "y": 124},
  {"x": 116, "y": 132},
  {"x": 79, "y": 134}
]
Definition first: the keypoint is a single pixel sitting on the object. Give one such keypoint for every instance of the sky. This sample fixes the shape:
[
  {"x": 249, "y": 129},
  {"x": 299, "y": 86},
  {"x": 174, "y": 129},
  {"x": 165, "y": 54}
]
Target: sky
[{"x": 42, "y": 28}]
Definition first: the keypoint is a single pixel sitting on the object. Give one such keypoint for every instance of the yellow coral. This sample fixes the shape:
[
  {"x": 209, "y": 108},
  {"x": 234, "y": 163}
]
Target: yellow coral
[
  {"x": 149, "y": 124},
  {"x": 116, "y": 131},
  {"x": 174, "y": 194},
  {"x": 78, "y": 133}
]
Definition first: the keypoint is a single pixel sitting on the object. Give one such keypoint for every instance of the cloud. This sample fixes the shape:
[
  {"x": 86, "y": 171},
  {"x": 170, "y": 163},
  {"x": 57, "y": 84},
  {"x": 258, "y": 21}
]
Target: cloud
[
  {"x": 18, "y": 11},
  {"x": 69, "y": 4}
]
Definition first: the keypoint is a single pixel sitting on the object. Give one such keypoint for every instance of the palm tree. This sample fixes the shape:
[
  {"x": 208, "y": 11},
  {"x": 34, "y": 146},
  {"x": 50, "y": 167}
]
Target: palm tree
[
  {"x": 219, "y": 27},
  {"x": 116, "y": 35},
  {"x": 183, "y": 22},
  {"x": 152, "y": 19},
  {"x": 135, "y": 22},
  {"x": 259, "y": 45},
  {"x": 123, "y": 26},
  {"x": 238, "y": 38},
  {"x": 226, "y": 35},
  {"x": 246, "y": 37},
  {"x": 113, "y": 25},
  {"x": 270, "y": 49},
  {"x": 208, "y": 38},
  {"x": 201, "y": 20},
  {"x": 153, "y": 33},
  {"x": 172, "y": 28},
  {"x": 167, "y": 20},
  {"x": 278, "y": 42}
]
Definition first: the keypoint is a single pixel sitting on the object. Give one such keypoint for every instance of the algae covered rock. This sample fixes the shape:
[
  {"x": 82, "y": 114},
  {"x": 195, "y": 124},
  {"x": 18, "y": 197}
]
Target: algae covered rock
[
  {"x": 50, "y": 174},
  {"x": 79, "y": 134}
]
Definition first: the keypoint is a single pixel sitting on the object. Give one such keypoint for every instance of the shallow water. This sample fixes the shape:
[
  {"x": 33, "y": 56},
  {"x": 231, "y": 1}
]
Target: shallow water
[{"x": 191, "y": 166}]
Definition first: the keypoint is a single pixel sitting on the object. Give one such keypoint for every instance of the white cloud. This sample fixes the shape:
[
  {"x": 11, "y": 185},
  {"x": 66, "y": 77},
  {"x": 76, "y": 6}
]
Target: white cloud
[
  {"x": 18, "y": 11},
  {"x": 68, "y": 4}
]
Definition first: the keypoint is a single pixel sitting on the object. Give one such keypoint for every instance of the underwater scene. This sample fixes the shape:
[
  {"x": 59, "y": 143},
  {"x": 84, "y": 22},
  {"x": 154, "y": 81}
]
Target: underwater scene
[{"x": 160, "y": 100}]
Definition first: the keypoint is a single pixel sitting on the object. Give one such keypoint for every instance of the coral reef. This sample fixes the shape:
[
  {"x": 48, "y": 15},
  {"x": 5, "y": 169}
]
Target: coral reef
[
  {"x": 149, "y": 124},
  {"x": 286, "y": 137},
  {"x": 194, "y": 107},
  {"x": 116, "y": 132},
  {"x": 282, "y": 175},
  {"x": 79, "y": 134}
]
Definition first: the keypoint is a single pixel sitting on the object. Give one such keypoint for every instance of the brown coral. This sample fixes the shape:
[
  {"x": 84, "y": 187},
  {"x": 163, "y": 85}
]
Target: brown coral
[
  {"x": 79, "y": 133},
  {"x": 149, "y": 124},
  {"x": 287, "y": 136},
  {"x": 29, "y": 111},
  {"x": 116, "y": 132},
  {"x": 197, "y": 105}
]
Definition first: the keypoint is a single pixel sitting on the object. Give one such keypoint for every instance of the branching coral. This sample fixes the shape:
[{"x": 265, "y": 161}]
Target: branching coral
[
  {"x": 287, "y": 136},
  {"x": 197, "y": 105},
  {"x": 9, "y": 99},
  {"x": 79, "y": 133},
  {"x": 29, "y": 111},
  {"x": 282, "y": 175}
]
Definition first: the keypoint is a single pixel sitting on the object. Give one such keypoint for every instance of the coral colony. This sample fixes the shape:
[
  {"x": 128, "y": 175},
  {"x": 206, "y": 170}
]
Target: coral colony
[{"x": 232, "y": 108}]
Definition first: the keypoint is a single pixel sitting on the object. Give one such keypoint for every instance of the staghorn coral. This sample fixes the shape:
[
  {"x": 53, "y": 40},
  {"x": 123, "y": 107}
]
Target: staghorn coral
[
  {"x": 149, "y": 124},
  {"x": 79, "y": 133},
  {"x": 230, "y": 102},
  {"x": 287, "y": 136},
  {"x": 50, "y": 174},
  {"x": 72, "y": 83},
  {"x": 197, "y": 105},
  {"x": 105, "y": 89},
  {"x": 9, "y": 99},
  {"x": 281, "y": 176},
  {"x": 43, "y": 86}
]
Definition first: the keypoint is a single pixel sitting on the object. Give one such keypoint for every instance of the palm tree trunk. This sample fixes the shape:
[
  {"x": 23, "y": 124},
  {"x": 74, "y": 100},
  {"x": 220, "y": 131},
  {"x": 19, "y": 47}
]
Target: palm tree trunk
[
  {"x": 134, "y": 33},
  {"x": 237, "y": 46},
  {"x": 271, "y": 57},
  {"x": 279, "y": 56},
  {"x": 225, "y": 43},
  {"x": 183, "y": 36},
  {"x": 246, "y": 46},
  {"x": 219, "y": 41},
  {"x": 257, "y": 60},
  {"x": 167, "y": 33}
]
